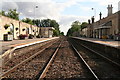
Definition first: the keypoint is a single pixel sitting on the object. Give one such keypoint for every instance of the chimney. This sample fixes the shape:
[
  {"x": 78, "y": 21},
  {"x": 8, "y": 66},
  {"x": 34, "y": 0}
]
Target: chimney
[
  {"x": 109, "y": 10},
  {"x": 100, "y": 15},
  {"x": 88, "y": 21},
  {"x": 93, "y": 19}
]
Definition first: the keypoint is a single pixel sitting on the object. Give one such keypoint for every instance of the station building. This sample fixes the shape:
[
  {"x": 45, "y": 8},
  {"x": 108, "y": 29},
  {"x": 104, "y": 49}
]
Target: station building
[
  {"x": 16, "y": 28},
  {"x": 105, "y": 27}
]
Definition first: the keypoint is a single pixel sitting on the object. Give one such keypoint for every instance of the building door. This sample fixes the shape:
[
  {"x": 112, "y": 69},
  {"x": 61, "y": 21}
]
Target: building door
[
  {"x": 27, "y": 31},
  {"x": 12, "y": 29}
]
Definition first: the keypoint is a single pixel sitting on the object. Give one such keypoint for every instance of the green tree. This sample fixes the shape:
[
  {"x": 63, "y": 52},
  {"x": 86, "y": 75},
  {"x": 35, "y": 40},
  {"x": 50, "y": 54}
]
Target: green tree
[
  {"x": 51, "y": 23},
  {"x": 36, "y": 22},
  {"x": 2, "y": 13},
  {"x": 45, "y": 23},
  {"x": 55, "y": 33},
  {"x": 62, "y": 33},
  {"x": 84, "y": 25},
  {"x": 69, "y": 33},
  {"x": 54, "y": 24},
  {"x": 13, "y": 14},
  {"x": 75, "y": 27},
  {"x": 27, "y": 20}
]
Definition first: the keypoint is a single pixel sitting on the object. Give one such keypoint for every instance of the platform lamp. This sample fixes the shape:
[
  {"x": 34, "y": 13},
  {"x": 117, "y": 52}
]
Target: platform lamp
[
  {"x": 94, "y": 18},
  {"x": 35, "y": 16},
  {"x": 94, "y": 12}
]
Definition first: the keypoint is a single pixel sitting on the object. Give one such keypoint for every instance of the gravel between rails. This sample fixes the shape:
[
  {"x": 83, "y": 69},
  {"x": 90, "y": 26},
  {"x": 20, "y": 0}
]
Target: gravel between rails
[
  {"x": 30, "y": 69},
  {"x": 104, "y": 69},
  {"x": 22, "y": 54},
  {"x": 67, "y": 65}
]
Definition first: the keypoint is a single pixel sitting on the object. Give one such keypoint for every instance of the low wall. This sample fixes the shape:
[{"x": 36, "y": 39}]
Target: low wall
[{"x": 108, "y": 51}]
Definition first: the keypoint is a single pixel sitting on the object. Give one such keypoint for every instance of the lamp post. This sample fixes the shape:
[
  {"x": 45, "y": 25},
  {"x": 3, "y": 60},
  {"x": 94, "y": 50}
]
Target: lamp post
[
  {"x": 35, "y": 18},
  {"x": 94, "y": 12},
  {"x": 35, "y": 13},
  {"x": 93, "y": 21}
]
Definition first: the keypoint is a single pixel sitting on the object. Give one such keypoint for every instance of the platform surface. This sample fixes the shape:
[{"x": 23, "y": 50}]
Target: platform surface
[
  {"x": 6, "y": 45},
  {"x": 107, "y": 42}
]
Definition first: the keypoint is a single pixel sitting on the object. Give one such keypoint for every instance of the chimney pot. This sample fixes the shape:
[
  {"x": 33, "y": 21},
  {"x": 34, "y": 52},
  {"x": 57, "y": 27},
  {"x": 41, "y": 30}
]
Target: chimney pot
[
  {"x": 109, "y": 9},
  {"x": 93, "y": 19},
  {"x": 100, "y": 15},
  {"x": 88, "y": 21}
]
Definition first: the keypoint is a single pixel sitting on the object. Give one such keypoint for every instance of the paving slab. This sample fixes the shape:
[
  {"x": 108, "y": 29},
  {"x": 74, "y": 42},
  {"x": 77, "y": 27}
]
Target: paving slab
[
  {"x": 107, "y": 42},
  {"x": 6, "y": 45}
]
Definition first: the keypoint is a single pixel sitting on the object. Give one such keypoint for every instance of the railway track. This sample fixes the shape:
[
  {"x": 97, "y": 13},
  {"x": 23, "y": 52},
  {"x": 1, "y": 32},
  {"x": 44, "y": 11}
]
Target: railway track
[
  {"x": 18, "y": 70},
  {"x": 20, "y": 55},
  {"x": 64, "y": 60},
  {"x": 102, "y": 66},
  {"x": 67, "y": 64},
  {"x": 39, "y": 65}
]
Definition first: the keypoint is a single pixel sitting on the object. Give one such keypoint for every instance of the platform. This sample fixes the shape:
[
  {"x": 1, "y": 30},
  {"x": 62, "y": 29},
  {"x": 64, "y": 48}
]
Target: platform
[
  {"x": 107, "y": 42},
  {"x": 6, "y": 45}
]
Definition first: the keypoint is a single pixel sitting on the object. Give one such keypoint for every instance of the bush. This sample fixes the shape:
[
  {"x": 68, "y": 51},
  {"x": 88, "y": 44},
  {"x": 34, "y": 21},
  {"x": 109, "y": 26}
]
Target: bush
[
  {"x": 38, "y": 36},
  {"x": 6, "y": 26},
  {"x": 31, "y": 36},
  {"x": 22, "y": 36}
]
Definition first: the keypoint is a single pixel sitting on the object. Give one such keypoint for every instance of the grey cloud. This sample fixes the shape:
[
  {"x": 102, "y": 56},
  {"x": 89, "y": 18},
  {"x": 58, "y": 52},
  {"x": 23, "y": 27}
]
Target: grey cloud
[
  {"x": 9, "y": 5},
  {"x": 46, "y": 9}
]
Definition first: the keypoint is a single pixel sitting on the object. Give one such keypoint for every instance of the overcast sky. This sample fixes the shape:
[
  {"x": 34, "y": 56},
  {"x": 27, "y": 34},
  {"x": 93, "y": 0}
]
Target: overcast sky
[{"x": 63, "y": 11}]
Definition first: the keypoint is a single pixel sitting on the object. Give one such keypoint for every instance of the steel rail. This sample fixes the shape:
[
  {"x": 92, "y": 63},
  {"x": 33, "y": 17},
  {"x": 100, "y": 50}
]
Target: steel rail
[
  {"x": 113, "y": 62},
  {"x": 26, "y": 60},
  {"x": 43, "y": 74},
  {"x": 96, "y": 77},
  {"x": 101, "y": 55}
]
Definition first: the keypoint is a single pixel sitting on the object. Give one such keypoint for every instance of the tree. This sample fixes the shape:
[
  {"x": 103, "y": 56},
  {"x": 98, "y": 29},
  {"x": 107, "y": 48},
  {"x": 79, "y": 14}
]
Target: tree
[
  {"x": 45, "y": 23},
  {"x": 76, "y": 23},
  {"x": 27, "y": 20},
  {"x": 84, "y": 25},
  {"x": 75, "y": 27},
  {"x": 62, "y": 33},
  {"x": 2, "y": 13},
  {"x": 36, "y": 22},
  {"x": 54, "y": 24},
  {"x": 55, "y": 33},
  {"x": 13, "y": 14},
  {"x": 69, "y": 33},
  {"x": 51, "y": 23}
]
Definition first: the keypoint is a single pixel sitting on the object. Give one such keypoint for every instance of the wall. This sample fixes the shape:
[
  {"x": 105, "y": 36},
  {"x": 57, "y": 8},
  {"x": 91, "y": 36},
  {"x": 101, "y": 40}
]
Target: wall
[
  {"x": 23, "y": 28},
  {"x": 114, "y": 29},
  {"x": 46, "y": 31}
]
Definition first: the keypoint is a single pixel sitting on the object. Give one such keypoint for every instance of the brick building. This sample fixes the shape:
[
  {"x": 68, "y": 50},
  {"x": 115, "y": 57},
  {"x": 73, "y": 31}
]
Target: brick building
[
  {"x": 17, "y": 27},
  {"x": 105, "y": 27}
]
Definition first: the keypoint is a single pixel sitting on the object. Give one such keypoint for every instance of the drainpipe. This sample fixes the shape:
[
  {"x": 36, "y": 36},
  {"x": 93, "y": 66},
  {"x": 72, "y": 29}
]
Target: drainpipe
[{"x": 19, "y": 27}]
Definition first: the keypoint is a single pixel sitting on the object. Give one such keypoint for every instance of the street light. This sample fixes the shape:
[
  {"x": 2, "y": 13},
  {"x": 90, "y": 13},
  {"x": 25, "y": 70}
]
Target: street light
[
  {"x": 35, "y": 12},
  {"x": 35, "y": 17},
  {"x": 94, "y": 19},
  {"x": 94, "y": 12}
]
